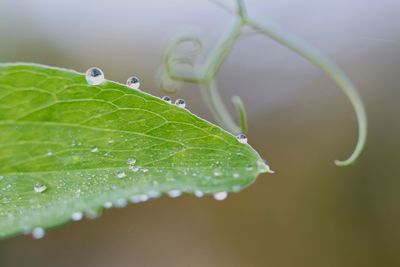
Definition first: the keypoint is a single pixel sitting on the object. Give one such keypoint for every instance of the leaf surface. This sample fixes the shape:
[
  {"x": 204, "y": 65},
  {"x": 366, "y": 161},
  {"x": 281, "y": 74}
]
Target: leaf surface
[{"x": 67, "y": 148}]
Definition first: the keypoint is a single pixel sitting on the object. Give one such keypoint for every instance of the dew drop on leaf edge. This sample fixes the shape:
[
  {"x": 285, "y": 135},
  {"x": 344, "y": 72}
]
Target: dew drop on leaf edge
[
  {"x": 167, "y": 99},
  {"x": 174, "y": 193},
  {"x": 77, "y": 216},
  {"x": 180, "y": 103},
  {"x": 108, "y": 205},
  {"x": 94, "y": 76},
  {"x": 220, "y": 195},
  {"x": 133, "y": 82},
  {"x": 242, "y": 138},
  {"x": 38, "y": 233},
  {"x": 199, "y": 193}
]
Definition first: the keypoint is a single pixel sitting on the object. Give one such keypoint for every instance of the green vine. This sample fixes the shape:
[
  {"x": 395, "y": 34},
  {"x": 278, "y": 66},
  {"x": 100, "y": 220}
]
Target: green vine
[{"x": 180, "y": 68}]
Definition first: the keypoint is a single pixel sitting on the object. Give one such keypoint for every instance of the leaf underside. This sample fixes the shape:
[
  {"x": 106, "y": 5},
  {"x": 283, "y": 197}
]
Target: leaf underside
[{"x": 91, "y": 145}]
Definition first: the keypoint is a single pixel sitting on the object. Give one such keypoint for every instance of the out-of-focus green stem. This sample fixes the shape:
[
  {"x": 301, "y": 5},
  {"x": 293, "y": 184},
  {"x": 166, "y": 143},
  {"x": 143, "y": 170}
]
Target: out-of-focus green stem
[
  {"x": 204, "y": 75},
  {"x": 330, "y": 69}
]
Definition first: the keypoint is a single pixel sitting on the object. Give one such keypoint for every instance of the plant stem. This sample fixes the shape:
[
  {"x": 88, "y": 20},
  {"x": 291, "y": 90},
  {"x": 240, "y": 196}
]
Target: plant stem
[{"x": 204, "y": 75}]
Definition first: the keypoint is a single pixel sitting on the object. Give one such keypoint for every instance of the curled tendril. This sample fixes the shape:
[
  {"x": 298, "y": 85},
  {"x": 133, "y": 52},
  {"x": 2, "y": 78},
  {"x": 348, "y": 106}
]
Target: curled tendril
[{"x": 204, "y": 74}]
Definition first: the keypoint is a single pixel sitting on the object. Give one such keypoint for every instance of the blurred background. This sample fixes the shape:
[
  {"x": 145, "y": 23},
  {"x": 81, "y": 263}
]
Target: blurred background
[{"x": 310, "y": 212}]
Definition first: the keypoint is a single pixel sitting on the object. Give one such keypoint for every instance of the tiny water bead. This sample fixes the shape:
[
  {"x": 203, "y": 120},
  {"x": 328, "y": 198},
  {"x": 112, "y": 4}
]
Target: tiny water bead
[
  {"x": 180, "y": 103},
  {"x": 120, "y": 174},
  {"x": 94, "y": 76},
  {"x": 38, "y": 233},
  {"x": 133, "y": 82},
  {"x": 39, "y": 188},
  {"x": 121, "y": 203},
  {"x": 220, "y": 196},
  {"x": 94, "y": 149},
  {"x": 77, "y": 216},
  {"x": 133, "y": 168},
  {"x": 139, "y": 198},
  {"x": 108, "y": 205},
  {"x": 174, "y": 193},
  {"x": 242, "y": 138},
  {"x": 167, "y": 99},
  {"x": 131, "y": 161},
  {"x": 198, "y": 193}
]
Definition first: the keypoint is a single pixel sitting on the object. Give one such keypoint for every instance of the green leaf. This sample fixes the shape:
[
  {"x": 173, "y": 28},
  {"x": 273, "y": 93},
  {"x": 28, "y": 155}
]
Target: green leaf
[{"x": 68, "y": 148}]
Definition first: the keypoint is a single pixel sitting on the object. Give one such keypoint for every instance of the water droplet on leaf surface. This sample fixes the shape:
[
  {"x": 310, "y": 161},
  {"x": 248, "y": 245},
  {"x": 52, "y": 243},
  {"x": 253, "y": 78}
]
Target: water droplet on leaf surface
[
  {"x": 180, "y": 103},
  {"x": 38, "y": 233},
  {"x": 131, "y": 161},
  {"x": 94, "y": 76},
  {"x": 133, "y": 168},
  {"x": 220, "y": 196},
  {"x": 167, "y": 99},
  {"x": 133, "y": 82},
  {"x": 108, "y": 205},
  {"x": 77, "y": 216},
  {"x": 198, "y": 193},
  {"x": 174, "y": 193},
  {"x": 242, "y": 138},
  {"x": 39, "y": 188},
  {"x": 121, "y": 174}
]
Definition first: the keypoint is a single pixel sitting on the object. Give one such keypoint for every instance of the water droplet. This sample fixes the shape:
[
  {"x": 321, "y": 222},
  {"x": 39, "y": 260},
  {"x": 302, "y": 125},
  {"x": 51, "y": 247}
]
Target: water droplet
[
  {"x": 217, "y": 173},
  {"x": 1, "y": 177},
  {"x": 167, "y": 99},
  {"x": 108, "y": 205},
  {"x": 236, "y": 175},
  {"x": 133, "y": 168},
  {"x": 263, "y": 166},
  {"x": 242, "y": 138},
  {"x": 139, "y": 198},
  {"x": 38, "y": 233},
  {"x": 131, "y": 161},
  {"x": 77, "y": 216},
  {"x": 120, "y": 174},
  {"x": 144, "y": 170},
  {"x": 198, "y": 193},
  {"x": 133, "y": 82},
  {"x": 94, "y": 76},
  {"x": 174, "y": 193},
  {"x": 49, "y": 153},
  {"x": 180, "y": 103},
  {"x": 39, "y": 188},
  {"x": 220, "y": 196},
  {"x": 110, "y": 141},
  {"x": 94, "y": 149}
]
